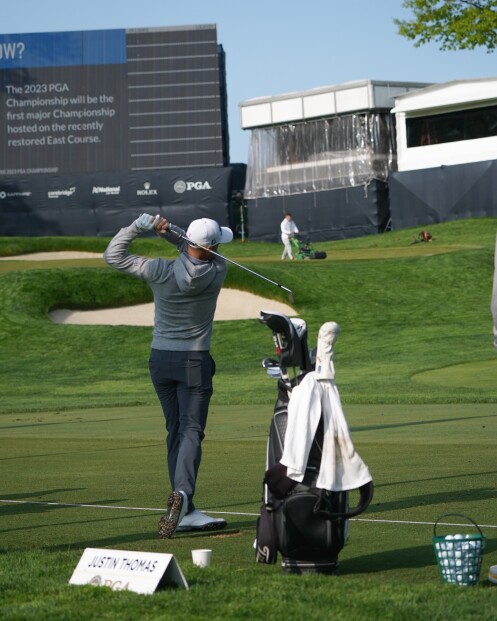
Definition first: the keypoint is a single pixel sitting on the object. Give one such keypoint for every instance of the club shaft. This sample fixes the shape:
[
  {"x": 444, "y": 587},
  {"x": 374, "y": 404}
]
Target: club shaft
[{"x": 252, "y": 271}]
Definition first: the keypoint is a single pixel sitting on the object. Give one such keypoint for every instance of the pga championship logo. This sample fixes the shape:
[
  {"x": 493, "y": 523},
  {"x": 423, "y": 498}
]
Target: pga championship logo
[{"x": 186, "y": 186}]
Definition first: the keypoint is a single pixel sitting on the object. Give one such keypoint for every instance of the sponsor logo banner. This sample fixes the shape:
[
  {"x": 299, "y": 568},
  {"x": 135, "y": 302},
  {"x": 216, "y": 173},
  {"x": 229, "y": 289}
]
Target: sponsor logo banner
[
  {"x": 147, "y": 190},
  {"x": 4, "y": 194},
  {"x": 187, "y": 186},
  {"x": 59, "y": 193},
  {"x": 107, "y": 190}
]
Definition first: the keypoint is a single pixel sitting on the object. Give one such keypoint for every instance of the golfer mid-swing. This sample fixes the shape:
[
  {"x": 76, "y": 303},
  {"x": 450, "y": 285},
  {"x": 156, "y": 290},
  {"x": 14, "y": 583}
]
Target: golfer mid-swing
[{"x": 185, "y": 293}]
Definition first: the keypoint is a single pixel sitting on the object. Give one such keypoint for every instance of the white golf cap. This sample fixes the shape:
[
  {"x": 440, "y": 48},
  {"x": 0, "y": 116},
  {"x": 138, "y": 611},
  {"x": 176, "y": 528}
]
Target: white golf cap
[{"x": 206, "y": 232}]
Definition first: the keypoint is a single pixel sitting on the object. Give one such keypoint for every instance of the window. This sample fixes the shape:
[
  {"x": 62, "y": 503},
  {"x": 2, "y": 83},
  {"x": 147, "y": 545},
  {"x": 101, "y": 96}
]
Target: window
[{"x": 452, "y": 126}]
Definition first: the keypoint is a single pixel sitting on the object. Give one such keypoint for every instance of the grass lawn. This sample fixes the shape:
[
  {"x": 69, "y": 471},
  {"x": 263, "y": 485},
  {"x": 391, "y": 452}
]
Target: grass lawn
[
  {"x": 95, "y": 478},
  {"x": 82, "y": 436}
]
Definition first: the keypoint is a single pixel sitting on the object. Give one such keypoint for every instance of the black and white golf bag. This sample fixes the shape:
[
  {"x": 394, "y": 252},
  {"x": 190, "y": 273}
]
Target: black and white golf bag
[{"x": 305, "y": 524}]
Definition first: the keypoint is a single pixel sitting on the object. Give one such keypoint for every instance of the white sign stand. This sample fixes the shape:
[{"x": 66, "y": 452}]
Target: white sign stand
[{"x": 122, "y": 570}]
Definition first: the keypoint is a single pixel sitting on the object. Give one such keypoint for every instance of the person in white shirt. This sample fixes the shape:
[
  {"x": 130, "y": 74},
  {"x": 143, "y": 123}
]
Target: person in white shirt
[{"x": 288, "y": 229}]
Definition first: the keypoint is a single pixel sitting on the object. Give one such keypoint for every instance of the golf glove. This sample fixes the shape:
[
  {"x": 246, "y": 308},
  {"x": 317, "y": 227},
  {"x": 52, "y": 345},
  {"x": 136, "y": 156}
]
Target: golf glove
[{"x": 145, "y": 223}]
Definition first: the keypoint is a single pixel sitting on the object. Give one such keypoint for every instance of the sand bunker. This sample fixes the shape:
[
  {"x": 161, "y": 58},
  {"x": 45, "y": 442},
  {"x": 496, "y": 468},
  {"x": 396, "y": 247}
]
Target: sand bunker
[{"x": 232, "y": 304}]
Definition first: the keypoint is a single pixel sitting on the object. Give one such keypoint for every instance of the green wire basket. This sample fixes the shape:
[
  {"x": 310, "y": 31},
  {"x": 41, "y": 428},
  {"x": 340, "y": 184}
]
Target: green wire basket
[{"x": 459, "y": 557}]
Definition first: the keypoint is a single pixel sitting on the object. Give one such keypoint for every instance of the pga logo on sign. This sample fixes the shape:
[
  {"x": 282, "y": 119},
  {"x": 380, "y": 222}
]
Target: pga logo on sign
[{"x": 186, "y": 186}]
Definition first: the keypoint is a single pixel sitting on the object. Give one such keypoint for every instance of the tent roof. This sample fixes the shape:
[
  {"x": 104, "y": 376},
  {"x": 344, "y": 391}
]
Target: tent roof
[
  {"x": 456, "y": 93},
  {"x": 322, "y": 102}
]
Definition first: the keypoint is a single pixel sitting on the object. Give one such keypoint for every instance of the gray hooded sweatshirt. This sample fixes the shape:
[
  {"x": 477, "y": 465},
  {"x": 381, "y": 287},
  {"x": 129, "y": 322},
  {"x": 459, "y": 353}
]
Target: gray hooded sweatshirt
[{"x": 185, "y": 292}]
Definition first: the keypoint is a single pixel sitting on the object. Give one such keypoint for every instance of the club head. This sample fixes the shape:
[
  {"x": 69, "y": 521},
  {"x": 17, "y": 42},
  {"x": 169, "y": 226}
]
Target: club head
[{"x": 272, "y": 367}]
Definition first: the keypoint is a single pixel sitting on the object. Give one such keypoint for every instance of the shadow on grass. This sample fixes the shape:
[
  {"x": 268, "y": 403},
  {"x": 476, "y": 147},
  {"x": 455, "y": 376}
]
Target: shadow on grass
[
  {"x": 24, "y": 495},
  {"x": 20, "y": 504},
  {"x": 234, "y": 505},
  {"x": 405, "y": 558},
  {"x": 77, "y": 523},
  {"x": 442, "y": 478},
  {"x": 93, "y": 450},
  {"x": 415, "y": 423},
  {"x": 436, "y": 499},
  {"x": 148, "y": 535},
  {"x": 79, "y": 421}
]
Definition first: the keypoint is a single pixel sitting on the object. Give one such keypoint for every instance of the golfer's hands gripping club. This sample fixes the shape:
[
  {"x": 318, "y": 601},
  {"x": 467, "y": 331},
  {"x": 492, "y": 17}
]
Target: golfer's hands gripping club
[
  {"x": 162, "y": 225},
  {"x": 146, "y": 222}
]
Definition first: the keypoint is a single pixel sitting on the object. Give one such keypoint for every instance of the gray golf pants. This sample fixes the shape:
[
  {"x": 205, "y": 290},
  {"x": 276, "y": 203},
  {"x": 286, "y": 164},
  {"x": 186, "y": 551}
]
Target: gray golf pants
[{"x": 183, "y": 383}]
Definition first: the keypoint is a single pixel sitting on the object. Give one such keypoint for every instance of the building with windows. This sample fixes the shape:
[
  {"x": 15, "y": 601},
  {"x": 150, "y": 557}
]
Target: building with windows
[
  {"x": 360, "y": 157},
  {"x": 446, "y": 153}
]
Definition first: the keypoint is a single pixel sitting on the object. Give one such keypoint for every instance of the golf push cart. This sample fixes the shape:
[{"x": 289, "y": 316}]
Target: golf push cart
[{"x": 307, "y": 525}]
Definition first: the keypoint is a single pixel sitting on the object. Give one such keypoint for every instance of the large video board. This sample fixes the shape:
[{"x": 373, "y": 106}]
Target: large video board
[
  {"x": 97, "y": 127},
  {"x": 111, "y": 100}
]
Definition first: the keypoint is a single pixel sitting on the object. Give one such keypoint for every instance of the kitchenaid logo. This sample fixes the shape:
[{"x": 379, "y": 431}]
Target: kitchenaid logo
[
  {"x": 107, "y": 190},
  {"x": 13, "y": 194},
  {"x": 147, "y": 190},
  {"x": 59, "y": 193},
  {"x": 186, "y": 186}
]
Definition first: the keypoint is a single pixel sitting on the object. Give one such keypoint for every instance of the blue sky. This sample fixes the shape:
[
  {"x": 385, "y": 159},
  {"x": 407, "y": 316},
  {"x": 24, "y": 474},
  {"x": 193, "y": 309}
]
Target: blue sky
[{"x": 272, "y": 46}]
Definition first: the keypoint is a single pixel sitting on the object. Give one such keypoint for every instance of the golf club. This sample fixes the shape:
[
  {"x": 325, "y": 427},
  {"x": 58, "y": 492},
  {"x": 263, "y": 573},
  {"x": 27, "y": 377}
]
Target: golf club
[{"x": 289, "y": 291}]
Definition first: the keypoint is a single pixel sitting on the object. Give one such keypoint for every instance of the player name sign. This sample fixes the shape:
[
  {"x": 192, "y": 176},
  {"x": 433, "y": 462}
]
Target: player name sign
[{"x": 122, "y": 570}]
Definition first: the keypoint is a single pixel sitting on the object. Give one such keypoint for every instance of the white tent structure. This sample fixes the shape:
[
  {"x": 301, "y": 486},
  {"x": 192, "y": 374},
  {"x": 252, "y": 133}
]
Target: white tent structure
[
  {"x": 325, "y": 155},
  {"x": 446, "y": 153},
  {"x": 447, "y": 124}
]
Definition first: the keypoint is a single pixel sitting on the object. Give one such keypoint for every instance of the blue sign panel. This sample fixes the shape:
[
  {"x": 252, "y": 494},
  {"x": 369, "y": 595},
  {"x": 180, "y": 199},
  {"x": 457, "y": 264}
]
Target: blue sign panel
[{"x": 62, "y": 49}]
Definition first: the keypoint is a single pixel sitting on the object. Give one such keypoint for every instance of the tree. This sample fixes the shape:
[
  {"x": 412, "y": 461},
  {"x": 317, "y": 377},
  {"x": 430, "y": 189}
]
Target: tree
[{"x": 454, "y": 24}]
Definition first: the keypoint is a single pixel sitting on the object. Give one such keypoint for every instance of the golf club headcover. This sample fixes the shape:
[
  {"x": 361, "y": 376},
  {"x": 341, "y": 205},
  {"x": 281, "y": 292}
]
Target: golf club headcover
[
  {"x": 146, "y": 222},
  {"x": 278, "y": 483},
  {"x": 328, "y": 334}
]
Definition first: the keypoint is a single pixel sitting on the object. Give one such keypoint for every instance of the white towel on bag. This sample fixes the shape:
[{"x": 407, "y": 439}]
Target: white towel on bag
[{"x": 341, "y": 466}]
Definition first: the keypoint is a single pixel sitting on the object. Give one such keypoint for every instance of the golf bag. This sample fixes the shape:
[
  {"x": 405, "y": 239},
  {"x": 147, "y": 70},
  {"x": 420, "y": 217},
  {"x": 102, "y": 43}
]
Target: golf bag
[
  {"x": 307, "y": 525},
  {"x": 304, "y": 250}
]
